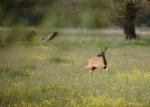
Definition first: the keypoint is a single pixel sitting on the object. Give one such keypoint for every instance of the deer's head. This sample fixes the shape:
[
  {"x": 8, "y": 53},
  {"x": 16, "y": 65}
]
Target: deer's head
[{"x": 101, "y": 52}]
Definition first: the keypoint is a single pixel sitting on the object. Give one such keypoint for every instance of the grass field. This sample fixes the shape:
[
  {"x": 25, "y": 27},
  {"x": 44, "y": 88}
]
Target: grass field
[{"x": 52, "y": 74}]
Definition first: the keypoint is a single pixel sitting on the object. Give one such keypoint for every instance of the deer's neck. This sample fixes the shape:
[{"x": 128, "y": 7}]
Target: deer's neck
[{"x": 104, "y": 59}]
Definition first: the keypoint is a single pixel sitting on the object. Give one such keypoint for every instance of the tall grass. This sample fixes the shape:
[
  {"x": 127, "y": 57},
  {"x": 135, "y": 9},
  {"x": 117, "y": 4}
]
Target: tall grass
[{"x": 35, "y": 89}]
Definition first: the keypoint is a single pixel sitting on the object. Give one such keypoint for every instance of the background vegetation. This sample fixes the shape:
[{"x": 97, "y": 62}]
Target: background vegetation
[{"x": 64, "y": 13}]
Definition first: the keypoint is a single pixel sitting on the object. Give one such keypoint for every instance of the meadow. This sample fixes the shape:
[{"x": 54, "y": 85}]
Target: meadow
[{"x": 52, "y": 74}]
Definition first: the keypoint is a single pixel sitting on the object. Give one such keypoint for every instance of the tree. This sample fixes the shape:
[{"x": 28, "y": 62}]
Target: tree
[{"x": 131, "y": 12}]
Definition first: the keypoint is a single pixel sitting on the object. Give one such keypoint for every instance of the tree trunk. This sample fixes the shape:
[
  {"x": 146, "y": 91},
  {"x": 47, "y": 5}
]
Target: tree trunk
[
  {"x": 129, "y": 30},
  {"x": 129, "y": 20}
]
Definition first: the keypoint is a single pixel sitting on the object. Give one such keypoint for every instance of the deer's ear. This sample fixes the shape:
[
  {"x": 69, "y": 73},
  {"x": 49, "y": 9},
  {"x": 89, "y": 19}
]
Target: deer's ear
[
  {"x": 105, "y": 49},
  {"x": 99, "y": 49}
]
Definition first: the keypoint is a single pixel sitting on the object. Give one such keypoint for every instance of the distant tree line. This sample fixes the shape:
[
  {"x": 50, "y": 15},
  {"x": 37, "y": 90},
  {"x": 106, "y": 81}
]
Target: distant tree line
[{"x": 64, "y": 13}]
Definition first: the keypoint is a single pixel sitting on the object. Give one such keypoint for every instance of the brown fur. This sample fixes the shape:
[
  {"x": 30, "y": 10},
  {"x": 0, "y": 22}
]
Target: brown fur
[{"x": 97, "y": 62}]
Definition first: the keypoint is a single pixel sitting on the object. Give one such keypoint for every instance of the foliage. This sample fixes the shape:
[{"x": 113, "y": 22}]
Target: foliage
[
  {"x": 142, "y": 6},
  {"x": 61, "y": 13}
]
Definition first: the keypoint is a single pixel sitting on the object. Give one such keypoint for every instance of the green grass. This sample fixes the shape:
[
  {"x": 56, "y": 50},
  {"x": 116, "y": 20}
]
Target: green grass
[
  {"x": 58, "y": 60},
  {"x": 53, "y": 74}
]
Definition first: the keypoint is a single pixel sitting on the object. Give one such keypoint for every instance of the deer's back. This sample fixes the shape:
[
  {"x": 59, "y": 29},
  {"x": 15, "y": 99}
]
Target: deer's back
[{"x": 96, "y": 62}]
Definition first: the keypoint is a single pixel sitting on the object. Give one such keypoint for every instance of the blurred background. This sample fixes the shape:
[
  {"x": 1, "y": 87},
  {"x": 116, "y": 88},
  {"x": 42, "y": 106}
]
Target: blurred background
[
  {"x": 25, "y": 19},
  {"x": 65, "y": 13}
]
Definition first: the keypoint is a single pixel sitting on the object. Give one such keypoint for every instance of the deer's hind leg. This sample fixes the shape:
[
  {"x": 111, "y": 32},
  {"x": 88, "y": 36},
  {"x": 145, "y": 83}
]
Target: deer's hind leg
[
  {"x": 100, "y": 71},
  {"x": 92, "y": 69},
  {"x": 90, "y": 72}
]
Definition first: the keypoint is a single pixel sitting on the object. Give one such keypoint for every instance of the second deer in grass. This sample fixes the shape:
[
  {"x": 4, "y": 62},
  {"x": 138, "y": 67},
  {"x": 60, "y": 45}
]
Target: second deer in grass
[{"x": 98, "y": 62}]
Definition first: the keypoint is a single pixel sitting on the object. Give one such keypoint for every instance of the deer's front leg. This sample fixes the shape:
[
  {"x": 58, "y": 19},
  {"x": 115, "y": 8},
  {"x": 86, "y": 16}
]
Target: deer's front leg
[
  {"x": 90, "y": 72},
  {"x": 107, "y": 70}
]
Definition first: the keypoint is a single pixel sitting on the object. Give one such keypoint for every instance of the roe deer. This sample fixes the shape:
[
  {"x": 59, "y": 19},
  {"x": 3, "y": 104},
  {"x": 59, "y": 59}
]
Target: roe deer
[{"x": 98, "y": 62}]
